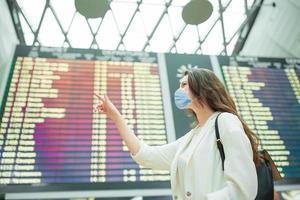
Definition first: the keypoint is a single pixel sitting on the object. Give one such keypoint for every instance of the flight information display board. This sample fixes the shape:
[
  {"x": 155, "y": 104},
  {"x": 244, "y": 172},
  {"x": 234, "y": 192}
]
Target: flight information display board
[
  {"x": 267, "y": 94},
  {"x": 50, "y": 134},
  {"x": 51, "y": 138}
]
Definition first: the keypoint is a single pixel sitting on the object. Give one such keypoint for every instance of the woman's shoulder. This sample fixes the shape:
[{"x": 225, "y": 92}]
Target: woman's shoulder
[
  {"x": 228, "y": 116},
  {"x": 231, "y": 129},
  {"x": 227, "y": 119}
]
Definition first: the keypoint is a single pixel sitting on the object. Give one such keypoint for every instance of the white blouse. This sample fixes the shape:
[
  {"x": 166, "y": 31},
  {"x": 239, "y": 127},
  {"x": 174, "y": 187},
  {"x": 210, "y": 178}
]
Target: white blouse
[
  {"x": 183, "y": 159},
  {"x": 195, "y": 165}
]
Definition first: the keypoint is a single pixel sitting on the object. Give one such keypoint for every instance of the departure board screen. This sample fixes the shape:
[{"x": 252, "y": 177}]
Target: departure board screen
[
  {"x": 50, "y": 134},
  {"x": 267, "y": 95},
  {"x": 51, "y": 138}
]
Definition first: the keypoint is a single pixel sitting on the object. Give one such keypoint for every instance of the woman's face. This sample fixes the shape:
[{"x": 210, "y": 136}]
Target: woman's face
[{"x": 184, "y": 85}]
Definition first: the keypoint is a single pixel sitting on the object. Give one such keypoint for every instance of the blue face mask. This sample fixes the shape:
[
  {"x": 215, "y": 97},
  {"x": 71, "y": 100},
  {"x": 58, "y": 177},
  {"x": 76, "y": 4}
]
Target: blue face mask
[{"x": 182, "y": 99}]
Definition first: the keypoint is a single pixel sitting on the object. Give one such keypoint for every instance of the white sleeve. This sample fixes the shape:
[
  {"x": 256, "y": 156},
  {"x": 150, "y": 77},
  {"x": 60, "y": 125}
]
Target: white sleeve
[
  {"x": 156, "y": 157},
  {"x": 239, "y": 168}
]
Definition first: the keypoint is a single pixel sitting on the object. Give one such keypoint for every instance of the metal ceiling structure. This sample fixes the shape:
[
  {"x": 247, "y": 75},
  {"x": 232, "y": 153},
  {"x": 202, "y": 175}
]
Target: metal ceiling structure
[{"x": 133, "y": 25}]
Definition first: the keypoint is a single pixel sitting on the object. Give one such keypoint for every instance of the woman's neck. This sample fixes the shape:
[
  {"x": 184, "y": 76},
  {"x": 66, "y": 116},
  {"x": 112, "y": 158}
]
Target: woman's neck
[{"x": 202, "y": 114}]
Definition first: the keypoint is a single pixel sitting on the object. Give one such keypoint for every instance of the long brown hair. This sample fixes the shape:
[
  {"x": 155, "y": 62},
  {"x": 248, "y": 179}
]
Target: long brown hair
[{"x": 209, "y": 90}]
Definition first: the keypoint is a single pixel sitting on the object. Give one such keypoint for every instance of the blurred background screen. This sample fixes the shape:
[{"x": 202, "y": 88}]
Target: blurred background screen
[
  {"x": 51, "y": 136},
  {"x": 267, "y": 95}
]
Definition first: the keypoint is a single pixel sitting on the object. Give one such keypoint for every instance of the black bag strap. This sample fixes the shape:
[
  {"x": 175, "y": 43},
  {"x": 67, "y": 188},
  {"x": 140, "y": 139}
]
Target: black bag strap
[{"x": 219, "y": 142}]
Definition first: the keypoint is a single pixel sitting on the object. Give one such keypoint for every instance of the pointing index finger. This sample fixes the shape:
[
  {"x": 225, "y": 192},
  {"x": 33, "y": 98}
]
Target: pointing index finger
[{"x": 99, "y": 97}]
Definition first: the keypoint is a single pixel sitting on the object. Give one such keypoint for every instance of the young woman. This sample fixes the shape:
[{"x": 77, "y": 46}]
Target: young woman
[{"x": 194, "y": 160}]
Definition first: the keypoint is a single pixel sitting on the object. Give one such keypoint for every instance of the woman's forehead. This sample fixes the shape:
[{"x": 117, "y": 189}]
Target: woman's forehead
[{"x": 185, "y": 78}]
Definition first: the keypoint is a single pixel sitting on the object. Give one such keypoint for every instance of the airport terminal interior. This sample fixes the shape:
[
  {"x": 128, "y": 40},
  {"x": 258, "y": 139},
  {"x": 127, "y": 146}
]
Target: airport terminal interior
[{"x": 60, "y": 61}]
